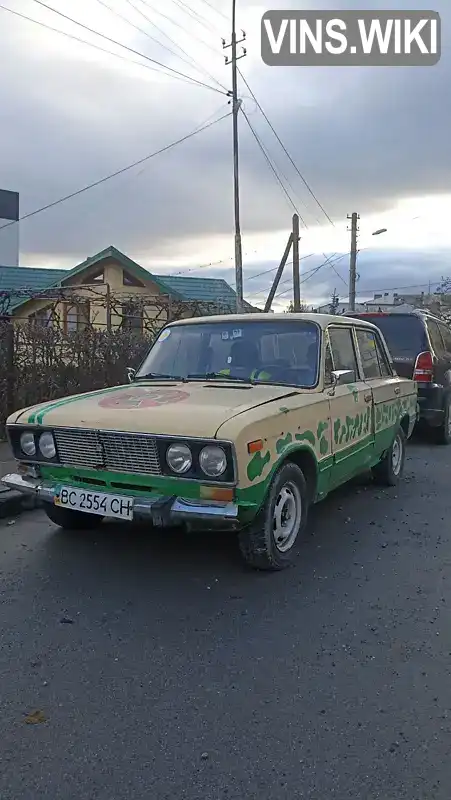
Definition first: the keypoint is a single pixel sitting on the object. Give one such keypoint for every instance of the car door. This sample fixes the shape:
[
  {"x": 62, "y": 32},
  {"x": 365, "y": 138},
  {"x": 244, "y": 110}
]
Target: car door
[
  {"x": 350, "y": 408},
  {"x": 386, "y": 387},
  {"x": 438, "y": 350}
]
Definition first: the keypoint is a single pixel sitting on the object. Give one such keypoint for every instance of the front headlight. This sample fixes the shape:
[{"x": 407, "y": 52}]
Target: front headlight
[
  {"x": 213, "y": 461},
  {"x": 179, "y": 458},
  {"x": 47, "y": 445},
  {"x": 27, "y": 444}
]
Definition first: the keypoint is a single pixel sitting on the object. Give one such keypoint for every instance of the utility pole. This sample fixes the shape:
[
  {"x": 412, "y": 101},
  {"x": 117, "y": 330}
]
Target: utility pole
[
  {"x": 354, "y": 217},
  {"x": 236, "y": 181},
  {"x": 296, "y": 277}
]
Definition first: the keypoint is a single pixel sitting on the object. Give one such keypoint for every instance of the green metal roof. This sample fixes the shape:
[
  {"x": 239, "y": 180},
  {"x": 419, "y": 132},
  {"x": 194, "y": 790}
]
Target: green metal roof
[
  {"x": 13, "y": 279},
  {"x": 207, "y": 290}
]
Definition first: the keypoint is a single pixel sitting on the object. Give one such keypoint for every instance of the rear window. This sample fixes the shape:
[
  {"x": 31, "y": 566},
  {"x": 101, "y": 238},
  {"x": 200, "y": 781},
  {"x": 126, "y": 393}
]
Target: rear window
[{"x": 404, "y": 335}]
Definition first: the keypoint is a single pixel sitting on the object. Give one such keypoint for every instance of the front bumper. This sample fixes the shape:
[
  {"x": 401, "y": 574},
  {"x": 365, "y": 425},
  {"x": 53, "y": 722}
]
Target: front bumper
[{"x": 160, "y": 510}]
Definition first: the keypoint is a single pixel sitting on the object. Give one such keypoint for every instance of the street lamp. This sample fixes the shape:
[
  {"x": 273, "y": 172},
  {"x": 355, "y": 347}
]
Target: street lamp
[{"x": 381, "y": 230}]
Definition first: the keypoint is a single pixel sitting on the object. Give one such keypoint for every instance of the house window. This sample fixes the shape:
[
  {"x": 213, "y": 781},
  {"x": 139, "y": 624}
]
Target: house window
[
  {"x": 96, "y": 277},
  {"x": 129, "y": 280},
  {"x": 132, "y": 317},
  {"x": 77, "y": 317},
  {"x": 42, "y": 318}
]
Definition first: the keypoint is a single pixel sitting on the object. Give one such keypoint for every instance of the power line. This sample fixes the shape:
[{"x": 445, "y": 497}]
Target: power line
[
  {"x": 210, "y": 5},
  {"x": 188, "y": 60},
  {"x": 91, "y": 44},
  {"x": 130, "y": 49},
  {"x": 179, "y": 25},
  {"x": 327, "y": 263},
  {"x": 271, "y": 165},
  {"x": 283, "y": 187},
  {"x": 308, "y": 187},
  {"x": 194, "y": 15},
  {"x": 115, "y": 174}
]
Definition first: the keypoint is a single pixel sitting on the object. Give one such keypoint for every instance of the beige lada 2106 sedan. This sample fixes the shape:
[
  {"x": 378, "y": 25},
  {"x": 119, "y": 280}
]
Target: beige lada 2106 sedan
[{"x": 236, "y": 422}]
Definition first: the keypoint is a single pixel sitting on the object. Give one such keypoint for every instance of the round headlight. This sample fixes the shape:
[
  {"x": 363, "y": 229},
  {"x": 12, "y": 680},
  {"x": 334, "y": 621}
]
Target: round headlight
[
  {"x": 27, "y": 444},
  {"x": 179, "y": 458},
  {"x": 47, "y": 445},
  {"x": 213, "y": 461}
]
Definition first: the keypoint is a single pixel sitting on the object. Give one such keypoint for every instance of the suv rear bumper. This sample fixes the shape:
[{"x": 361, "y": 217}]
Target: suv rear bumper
[{"x": 431, "y": 401}]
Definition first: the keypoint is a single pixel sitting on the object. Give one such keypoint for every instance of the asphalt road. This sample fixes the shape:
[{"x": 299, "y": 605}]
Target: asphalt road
[{"x": 165, "y": 670}]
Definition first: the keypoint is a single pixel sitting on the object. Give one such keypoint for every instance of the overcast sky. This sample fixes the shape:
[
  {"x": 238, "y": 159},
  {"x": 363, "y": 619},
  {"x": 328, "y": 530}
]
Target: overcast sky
[{"x": 373, "y": 140}]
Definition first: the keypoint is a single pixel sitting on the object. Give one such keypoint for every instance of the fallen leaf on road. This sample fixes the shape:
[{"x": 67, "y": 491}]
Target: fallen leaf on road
[{"x": 35, "y": 717}]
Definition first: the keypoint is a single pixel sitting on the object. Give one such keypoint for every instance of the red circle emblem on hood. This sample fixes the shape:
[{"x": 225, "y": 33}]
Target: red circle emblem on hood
[{"x": 143, "y": 398}]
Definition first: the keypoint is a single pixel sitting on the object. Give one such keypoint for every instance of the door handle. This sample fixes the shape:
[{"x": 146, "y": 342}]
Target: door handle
[
  {"x": 368, "y": 397},
  {"x": 397, "y": 389}
]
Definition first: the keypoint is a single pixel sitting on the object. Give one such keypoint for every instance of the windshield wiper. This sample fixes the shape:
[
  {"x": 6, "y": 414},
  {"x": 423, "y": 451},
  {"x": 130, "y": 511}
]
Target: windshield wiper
[
  {"x": 207, "y": 376},
  {"x": 159, "y": 376}
]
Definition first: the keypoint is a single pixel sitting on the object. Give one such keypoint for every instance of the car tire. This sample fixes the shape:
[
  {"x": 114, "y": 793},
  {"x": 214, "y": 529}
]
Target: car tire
[
  {"x": 72, "y": 520},
  {"x": 390, "y": 470},
  {"x": 443, "y": 433},
  {"x": 270, "y": 541}
]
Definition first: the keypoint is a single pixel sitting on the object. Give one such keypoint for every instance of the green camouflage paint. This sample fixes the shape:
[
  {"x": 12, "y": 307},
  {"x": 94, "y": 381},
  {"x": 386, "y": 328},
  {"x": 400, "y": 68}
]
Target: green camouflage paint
[
  {"x": 283, "y": 443},
  {"x": 257, "y": 464},
  {"x": 306, "y": 436}
]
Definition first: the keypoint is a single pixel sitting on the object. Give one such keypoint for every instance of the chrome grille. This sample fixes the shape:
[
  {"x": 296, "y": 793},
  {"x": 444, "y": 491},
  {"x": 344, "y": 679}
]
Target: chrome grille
[{"x": 120, "y": 452}]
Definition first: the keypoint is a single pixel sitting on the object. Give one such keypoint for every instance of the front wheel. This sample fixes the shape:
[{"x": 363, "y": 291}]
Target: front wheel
[
  {"x": 269, "y": 541},
  {"x": 71, "y": 520},
  {"x": 389, "y": 471}
]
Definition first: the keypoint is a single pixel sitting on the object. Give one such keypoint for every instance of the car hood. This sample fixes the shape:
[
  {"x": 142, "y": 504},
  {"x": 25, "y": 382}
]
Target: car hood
[{"x": 180, "y": 409}]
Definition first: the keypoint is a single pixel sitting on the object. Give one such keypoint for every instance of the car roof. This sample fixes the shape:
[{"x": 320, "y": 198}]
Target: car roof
[
  {"x": 323, "y": 320},
  {"x": 420, "y": 313}
]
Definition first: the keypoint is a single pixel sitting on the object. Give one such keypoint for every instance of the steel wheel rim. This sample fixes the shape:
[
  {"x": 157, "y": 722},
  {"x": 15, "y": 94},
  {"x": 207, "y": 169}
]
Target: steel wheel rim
[
  {"x": 396, "y": 455},
  {"x": 287, "y": 516}
]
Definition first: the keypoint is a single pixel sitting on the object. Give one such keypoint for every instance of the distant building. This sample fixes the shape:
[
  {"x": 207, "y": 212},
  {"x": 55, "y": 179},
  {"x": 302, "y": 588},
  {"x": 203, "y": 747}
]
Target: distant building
[
  {"x": 9, "y": 220},
  {"x": 108, "y": 273}
]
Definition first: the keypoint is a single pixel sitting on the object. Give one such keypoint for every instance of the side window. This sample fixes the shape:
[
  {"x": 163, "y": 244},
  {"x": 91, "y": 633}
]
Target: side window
[
  {"x": 436, "y": 339},
  {"x": 342, "y": 350},
  {"x": 386, "y": 371},
  {"x": 328, "y": 365},
  {"x": 370, "y": 355},
  {"x": 446, "y": 336}
]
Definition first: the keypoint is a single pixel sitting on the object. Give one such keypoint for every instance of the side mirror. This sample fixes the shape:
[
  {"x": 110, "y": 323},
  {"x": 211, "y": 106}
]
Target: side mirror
[
  {"x": 340, "y": 377},
  {"x": 131, "y": 374}
]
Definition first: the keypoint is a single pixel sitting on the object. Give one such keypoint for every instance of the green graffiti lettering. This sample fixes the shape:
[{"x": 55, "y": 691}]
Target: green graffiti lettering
[
  {"x": 352, "y": 388},
  {"x": 337, "y": 426},
  {"x": 283, "y": 443},
  {"x": 322, "y": 426},
  {"x": 257, "y": 464},
  {"x": 323, "y": 446}
]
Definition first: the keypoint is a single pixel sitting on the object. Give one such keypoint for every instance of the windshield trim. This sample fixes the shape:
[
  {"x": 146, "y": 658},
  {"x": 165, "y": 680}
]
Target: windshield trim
[{"x": 183, "y": 324}]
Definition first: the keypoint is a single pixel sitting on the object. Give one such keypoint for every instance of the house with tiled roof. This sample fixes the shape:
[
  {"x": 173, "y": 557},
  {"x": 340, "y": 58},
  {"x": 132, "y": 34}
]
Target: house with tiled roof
[{"x": 108, "y": 289}]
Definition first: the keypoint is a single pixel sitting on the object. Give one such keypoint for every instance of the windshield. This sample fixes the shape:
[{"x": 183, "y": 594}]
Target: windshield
[
  {"x": 271, "y": 352},
  {"x": 404, "y": 334}
]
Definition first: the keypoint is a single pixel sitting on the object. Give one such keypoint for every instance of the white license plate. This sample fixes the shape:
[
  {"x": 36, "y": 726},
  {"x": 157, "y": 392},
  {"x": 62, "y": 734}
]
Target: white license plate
[{"x": 105, "y": 505}]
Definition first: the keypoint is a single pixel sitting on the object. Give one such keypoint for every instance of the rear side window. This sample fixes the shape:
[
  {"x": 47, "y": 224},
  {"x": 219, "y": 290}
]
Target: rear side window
[
  {"x": 373, "y": 359},
  {"x": 404, "y": 334},
  {"x": 446, "y": 336},
  {"x": 435, "y": 337}
]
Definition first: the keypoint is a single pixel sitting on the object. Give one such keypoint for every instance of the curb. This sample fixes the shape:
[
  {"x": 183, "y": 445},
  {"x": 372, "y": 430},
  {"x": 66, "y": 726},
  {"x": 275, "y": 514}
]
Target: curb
[{"x": 13, "y": 503}]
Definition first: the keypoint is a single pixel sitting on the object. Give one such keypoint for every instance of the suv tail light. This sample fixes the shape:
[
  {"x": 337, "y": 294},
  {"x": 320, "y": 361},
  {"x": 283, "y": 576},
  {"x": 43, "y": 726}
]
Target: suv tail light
[{"x": 424, "y": 368}]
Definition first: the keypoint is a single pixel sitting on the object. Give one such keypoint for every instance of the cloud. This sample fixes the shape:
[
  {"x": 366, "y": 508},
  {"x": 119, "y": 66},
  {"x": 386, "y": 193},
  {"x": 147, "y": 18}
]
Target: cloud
[{"x": 364, "y": 138}]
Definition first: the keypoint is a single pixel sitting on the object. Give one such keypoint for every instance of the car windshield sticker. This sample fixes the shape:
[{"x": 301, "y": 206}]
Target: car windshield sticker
[
  {"x": 163, "y": 336},
  {"x": 224, "y": 335},
  {"x": 237, "y": 333},
  {"x": 143, "y": 397}
]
